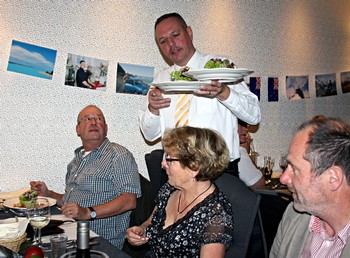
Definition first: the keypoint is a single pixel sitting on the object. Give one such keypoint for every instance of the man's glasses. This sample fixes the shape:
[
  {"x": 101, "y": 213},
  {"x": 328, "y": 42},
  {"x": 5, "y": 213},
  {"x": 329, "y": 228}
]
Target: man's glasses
[
  {"x": 87, "y": 119},
  {"x": 168, "y": 159}
]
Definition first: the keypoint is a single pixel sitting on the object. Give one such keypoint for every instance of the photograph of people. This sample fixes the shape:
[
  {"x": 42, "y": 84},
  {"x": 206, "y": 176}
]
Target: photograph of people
[{"x": 86, "y": 72}]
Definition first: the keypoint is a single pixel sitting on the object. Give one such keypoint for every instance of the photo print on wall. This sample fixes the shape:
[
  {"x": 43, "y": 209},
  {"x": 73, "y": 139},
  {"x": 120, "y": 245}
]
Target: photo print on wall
[
  {"x": 297, "y": 87},
  {"x": 345, "y": 81},
  {"x": 31, "y": 60},
  {"x": 86, "y": 72},
  {"x": 325, "y": 85},
  {"x": 134, "y": 79}
]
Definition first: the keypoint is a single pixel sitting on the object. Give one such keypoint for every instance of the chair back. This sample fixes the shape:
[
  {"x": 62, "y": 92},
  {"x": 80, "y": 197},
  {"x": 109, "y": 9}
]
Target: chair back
[
  {"x": 140, "y": 214},
  {"x": 245, "y": 205},
  {"x": 272, "y": 206},
  {"x": 156, "y": 173}
]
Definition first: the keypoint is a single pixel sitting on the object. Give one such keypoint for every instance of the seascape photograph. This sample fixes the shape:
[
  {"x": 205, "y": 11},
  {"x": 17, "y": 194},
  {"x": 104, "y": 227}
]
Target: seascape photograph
[{"x": 31, "y": 60}]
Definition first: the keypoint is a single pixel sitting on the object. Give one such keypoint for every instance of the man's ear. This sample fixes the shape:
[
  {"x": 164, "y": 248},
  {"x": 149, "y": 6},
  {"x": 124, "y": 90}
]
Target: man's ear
[
  {"x": 189, "y": 31},
  {"x": 77, "y": 129},
  {"x": 336, "y": 177}
]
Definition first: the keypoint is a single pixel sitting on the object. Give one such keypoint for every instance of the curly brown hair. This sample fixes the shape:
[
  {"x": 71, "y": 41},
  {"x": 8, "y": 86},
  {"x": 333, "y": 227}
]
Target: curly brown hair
[{"x": 198, "y": 149}]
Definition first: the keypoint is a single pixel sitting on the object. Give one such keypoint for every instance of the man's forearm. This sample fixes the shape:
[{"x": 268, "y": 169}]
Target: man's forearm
[{"x": 57, "y": 196}]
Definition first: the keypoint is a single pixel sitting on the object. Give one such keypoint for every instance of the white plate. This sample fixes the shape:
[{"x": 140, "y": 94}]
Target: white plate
[
  {"x": 180, "y": 85},
  {"x": 185, "y": 86},
  {"x": 9, "y": 203},
  {"x": 219, "y": 73},
  {"x": 93, "y": 253}
]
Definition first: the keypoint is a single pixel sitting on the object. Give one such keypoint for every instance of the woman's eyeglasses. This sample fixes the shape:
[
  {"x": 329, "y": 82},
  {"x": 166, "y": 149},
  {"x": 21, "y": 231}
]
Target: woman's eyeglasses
[{"x": 168, "y": 159}]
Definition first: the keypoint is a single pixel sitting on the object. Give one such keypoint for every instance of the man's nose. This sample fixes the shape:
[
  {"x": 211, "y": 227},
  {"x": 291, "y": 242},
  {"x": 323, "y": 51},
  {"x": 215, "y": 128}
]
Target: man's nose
[{"x": 285, "y": 178}]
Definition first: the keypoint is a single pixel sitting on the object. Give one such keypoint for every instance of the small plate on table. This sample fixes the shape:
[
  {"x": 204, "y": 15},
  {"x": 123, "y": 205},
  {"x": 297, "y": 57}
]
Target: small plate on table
[{"x": 93, "y": 254}]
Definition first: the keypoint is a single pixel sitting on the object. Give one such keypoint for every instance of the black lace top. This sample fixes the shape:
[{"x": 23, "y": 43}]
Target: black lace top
[{"x": 210, "y": 221}]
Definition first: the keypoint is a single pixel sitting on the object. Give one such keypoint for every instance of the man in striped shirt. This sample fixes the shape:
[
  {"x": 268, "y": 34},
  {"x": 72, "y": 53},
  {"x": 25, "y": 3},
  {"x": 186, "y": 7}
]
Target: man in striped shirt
[
  {"x": 317, "y": 222},
  {"x": 102, "y": 181}
]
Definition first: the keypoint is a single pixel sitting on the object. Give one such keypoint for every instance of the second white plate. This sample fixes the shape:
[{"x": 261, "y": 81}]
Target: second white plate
[
  {"x": 184, "y": 86},
  {"x": 219, "y": 73}
]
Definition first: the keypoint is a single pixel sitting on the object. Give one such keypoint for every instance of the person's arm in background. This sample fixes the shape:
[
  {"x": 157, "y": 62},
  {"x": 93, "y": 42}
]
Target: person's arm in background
[
  {"x": 42, "y": 190},
  {"x": 248, "y": 172}
]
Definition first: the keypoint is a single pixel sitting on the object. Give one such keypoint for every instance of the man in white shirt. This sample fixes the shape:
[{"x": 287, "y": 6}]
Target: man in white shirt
[
  {"x": 248, "y": 172},
  {"x": 216, "y": 106}
]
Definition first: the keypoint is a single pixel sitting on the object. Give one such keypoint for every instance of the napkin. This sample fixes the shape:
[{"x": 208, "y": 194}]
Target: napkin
[
  {"x": 69, "y": 226},
  {"x": 10, "y": 228},
  {"x": 51, "y": 229}
]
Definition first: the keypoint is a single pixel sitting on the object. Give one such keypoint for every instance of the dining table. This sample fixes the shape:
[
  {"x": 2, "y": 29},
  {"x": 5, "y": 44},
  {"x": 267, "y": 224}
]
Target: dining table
[{"x": 100, "y": 244}]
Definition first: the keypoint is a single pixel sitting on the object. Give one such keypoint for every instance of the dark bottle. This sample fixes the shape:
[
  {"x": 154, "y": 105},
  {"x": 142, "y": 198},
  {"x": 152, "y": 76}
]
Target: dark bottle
[{"x": 83, "y": 238}]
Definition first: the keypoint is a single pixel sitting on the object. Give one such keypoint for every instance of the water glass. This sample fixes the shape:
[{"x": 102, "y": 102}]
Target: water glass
[{"x": 58, "y": 245}]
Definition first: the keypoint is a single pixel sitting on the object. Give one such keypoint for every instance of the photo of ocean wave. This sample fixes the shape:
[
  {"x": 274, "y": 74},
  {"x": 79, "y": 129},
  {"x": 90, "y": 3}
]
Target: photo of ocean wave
[
  {"x": 31, "y": 60},
  {"x": 29, "y": 70}
]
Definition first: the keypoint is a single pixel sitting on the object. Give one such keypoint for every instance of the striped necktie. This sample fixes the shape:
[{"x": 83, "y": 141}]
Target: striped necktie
[{"x": 182, "y": 108}]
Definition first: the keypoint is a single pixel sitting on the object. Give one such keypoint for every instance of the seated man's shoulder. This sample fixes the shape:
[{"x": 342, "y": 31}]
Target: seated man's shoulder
[{"x": 120, "y": 149}]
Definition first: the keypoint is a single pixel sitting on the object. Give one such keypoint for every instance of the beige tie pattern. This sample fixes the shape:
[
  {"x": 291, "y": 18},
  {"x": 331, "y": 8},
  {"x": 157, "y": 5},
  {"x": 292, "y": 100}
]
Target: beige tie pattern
[{"x": 182, "y": 108}]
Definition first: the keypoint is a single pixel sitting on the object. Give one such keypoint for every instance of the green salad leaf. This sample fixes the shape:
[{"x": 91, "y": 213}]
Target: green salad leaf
[{"x": 218, "y": 63}]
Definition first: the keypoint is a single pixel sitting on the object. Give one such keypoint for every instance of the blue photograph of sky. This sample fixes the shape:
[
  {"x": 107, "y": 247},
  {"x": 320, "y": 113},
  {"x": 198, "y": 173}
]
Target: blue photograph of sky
[{"x": 31, "y": 60}]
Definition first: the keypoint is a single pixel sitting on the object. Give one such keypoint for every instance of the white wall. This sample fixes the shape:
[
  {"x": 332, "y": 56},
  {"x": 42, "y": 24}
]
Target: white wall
[{"x": 274, "y": 38}]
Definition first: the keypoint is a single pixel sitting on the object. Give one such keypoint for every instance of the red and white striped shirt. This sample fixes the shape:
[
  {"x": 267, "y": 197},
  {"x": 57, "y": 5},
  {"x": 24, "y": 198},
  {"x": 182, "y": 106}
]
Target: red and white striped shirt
[{"x": 320, "y": 245}]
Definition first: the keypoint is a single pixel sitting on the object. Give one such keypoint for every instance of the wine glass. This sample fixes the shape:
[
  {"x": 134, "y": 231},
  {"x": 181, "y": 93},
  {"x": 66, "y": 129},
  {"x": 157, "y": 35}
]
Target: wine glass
[
  {"x": 283, "y": 162},
  {"x": 38, "y": 214},
  {"x": 269, "y": 163}
]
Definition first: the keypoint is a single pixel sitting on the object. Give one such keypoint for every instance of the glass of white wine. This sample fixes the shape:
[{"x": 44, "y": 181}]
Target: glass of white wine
[{"x": 38, "y": 214}]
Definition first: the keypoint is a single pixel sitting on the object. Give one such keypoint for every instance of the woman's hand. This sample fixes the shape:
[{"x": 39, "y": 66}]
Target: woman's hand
[{"x": 135, "y": 235}]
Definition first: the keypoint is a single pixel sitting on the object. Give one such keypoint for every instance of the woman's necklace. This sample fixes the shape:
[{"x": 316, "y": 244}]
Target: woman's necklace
[{"x": 178, "y": 206}]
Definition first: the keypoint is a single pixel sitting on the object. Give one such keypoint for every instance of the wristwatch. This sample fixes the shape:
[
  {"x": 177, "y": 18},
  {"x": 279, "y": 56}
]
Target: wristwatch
[{"x": 92, "y": 213}]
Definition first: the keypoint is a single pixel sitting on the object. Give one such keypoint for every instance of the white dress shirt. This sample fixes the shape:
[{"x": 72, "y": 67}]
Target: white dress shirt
[
  {"x": 248, "y": 172},
  {"x": 214, "y": 114}
]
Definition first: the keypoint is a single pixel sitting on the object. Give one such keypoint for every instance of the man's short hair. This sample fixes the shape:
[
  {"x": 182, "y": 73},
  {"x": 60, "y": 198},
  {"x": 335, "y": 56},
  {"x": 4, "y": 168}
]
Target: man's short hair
[
  {"x": 82, "y": 61},
  {"x": 328, "y": 145},
  {"x": 171, "y": 15}
]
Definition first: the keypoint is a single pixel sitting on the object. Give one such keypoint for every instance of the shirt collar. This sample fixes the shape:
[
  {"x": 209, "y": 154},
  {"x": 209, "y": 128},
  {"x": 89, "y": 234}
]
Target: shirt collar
[
  {"x": 316, "y": 226},
  {"x": 80, "y": 150},
  {"x": 192, "y": 63}
]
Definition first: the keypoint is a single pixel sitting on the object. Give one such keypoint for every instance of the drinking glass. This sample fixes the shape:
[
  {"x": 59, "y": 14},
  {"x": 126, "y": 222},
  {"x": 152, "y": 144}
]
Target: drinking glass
[
  {"x": 268, "y": 166},
  {"x": 38, "y": 214},
  {"x": 283, "y": 162}
]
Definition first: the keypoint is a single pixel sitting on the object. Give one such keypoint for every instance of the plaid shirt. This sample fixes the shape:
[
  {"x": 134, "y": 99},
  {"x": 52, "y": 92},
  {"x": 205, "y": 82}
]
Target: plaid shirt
[
  {"x": 99, "y": 177},
  {"x": 320, "y": 245}
]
